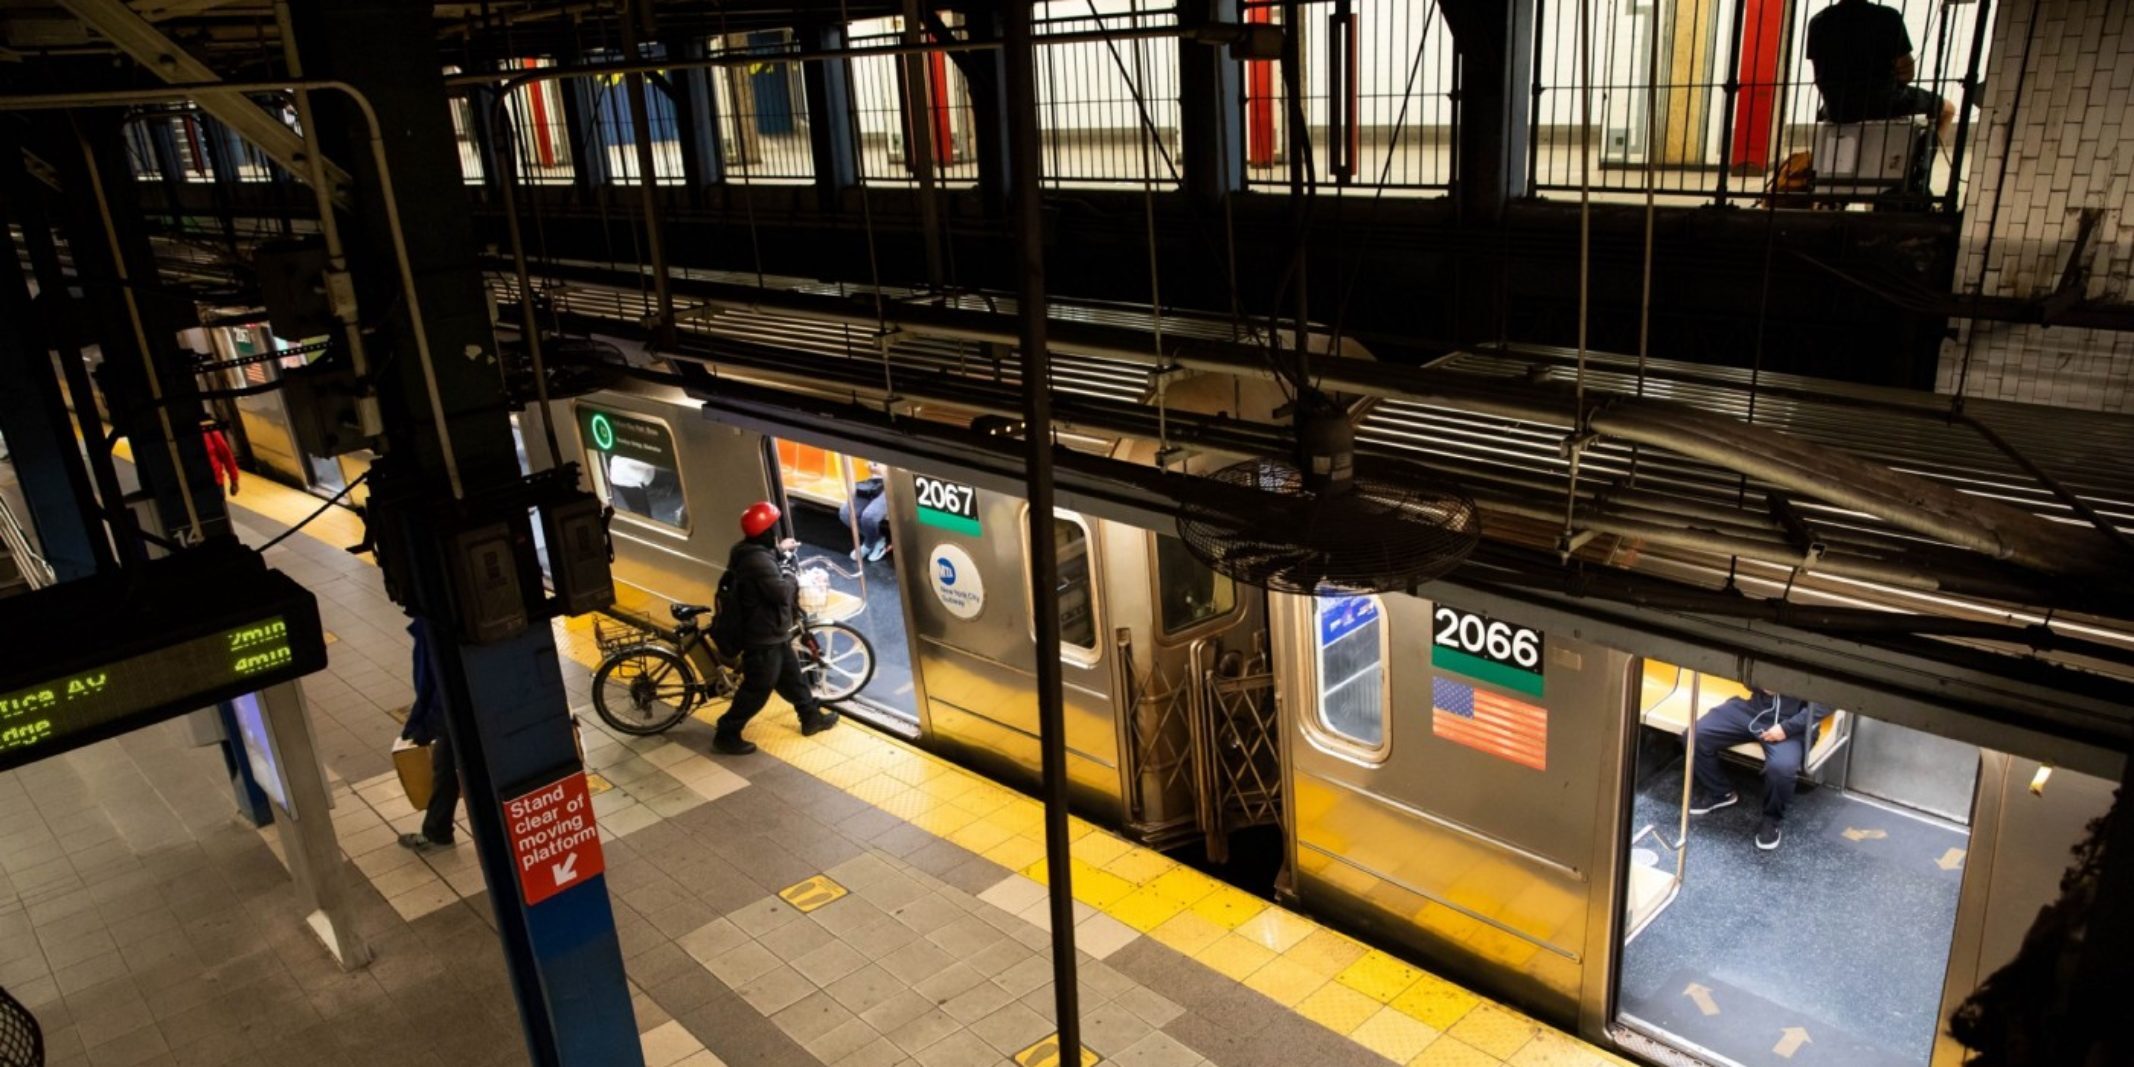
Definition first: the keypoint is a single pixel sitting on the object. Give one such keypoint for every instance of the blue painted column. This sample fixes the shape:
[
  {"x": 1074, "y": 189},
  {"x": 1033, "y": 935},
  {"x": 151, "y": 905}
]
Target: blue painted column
[{"x": 462, "y": 557}]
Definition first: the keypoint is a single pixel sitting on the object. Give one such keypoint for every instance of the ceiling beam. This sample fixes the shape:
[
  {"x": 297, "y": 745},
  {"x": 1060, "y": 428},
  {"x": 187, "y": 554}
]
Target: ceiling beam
[{"x": 140, "y": 39}]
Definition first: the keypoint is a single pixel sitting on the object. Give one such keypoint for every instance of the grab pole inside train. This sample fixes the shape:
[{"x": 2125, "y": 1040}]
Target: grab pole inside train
[{"x": 1023, "y": 166}]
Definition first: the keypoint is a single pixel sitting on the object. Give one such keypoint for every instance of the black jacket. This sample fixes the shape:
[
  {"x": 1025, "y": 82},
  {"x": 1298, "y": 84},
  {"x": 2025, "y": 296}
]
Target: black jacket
[{"x": 768, "y": 596}]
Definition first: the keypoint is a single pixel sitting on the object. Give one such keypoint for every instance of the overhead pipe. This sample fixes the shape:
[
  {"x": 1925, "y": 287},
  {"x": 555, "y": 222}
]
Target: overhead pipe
[
  {"x": 1232, "y": 438},
  {"x": 1148, "y": 495},
  {"x": 1908, "y": 502}
]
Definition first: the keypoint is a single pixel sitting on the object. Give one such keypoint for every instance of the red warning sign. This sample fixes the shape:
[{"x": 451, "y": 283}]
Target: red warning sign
[{"x": 553, "y": 839}]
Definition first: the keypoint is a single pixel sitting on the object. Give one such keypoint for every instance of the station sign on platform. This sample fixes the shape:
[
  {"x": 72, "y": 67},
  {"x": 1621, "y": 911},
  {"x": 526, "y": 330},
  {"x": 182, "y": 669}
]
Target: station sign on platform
[{"x": 554, "y": 842}]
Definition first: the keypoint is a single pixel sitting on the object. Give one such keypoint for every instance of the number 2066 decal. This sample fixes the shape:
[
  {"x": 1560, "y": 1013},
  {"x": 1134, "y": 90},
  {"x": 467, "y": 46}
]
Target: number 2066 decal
[{"x": 1503, "y": 653}]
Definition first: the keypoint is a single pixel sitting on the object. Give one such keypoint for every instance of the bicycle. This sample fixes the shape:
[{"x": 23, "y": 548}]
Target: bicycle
[{"x": 646, "y": 684}]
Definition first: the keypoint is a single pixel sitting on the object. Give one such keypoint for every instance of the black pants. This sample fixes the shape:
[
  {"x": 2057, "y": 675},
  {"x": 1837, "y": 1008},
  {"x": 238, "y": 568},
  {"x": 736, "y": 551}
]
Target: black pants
[
  {"x": 1728, "y": 725},
  {"x": 444, "y": 791},
  {"x": 764, "y": 668}
]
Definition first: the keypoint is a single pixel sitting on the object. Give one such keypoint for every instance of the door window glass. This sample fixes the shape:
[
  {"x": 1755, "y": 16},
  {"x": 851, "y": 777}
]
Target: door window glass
[
  {"x": 633, "y": 460},
  {"x": 1188, "y": 592},
  {"x": 1078, "y": 598},
  {"x": 1352, "y": 668}
]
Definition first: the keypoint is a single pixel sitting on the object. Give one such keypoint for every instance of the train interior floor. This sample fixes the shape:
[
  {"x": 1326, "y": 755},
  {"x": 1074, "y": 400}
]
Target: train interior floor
[
  {"x": 1849, "y": 919},
  {"x": 144, "y": 923},
  {"x": 881, "y": 614}
]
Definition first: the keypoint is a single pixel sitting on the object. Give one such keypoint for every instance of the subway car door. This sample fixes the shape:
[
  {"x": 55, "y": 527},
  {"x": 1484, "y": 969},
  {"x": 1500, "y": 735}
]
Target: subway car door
[
  {"x": 1456, "y": 783},
  {"x": 963, "y": 557}
]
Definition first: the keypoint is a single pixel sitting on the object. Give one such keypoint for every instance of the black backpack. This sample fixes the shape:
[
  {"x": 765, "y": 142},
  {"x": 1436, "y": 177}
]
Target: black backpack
[{"x": 728, "y": 616}]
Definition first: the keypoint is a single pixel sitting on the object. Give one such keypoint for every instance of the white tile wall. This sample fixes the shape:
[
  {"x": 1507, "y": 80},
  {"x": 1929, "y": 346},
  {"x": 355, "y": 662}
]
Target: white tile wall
[{"x": 2073, "y": 148}]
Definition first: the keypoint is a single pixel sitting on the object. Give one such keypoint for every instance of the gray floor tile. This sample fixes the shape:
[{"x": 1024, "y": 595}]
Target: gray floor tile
[
  {"x": 830, "y": 963},
  {"x": 865, "y": 988},
  {"x": 930, "y": 1026},
  {"x": 958, "y": 1050},
  {"x": 1012, "y": 1028},
  {"x": 813, "y": 1017}
]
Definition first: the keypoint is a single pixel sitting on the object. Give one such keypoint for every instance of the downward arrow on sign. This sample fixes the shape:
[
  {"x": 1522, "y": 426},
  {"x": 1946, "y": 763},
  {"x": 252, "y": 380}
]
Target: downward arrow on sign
[
  {"x": 565, "y": 871},
  {"x": 1790, "y": 1041}
]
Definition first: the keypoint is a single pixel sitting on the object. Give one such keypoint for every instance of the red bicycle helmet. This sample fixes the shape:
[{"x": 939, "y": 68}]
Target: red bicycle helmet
[{"x": 760, "y": 516}]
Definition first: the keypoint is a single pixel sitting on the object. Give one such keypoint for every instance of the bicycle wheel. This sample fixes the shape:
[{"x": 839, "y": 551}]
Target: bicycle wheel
[
  {"x": 644, "y": 689},
  {"x": 837, "y": 661}
]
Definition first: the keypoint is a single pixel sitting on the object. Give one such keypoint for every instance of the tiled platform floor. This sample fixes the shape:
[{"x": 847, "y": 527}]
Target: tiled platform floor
[{"x": 144, "y": 924}]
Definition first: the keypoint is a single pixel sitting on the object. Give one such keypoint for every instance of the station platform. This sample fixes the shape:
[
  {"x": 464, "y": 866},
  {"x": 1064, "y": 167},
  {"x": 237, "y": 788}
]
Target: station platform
[{"x": 845, "y": 900}]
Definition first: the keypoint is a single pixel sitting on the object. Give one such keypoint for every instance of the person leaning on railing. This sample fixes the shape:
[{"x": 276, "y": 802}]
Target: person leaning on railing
[{"x": 1864, "y": 67}]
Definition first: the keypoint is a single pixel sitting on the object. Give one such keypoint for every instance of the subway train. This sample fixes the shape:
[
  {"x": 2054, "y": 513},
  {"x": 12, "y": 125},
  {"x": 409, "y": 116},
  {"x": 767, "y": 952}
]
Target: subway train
[{"x": 1501, "y": 795}]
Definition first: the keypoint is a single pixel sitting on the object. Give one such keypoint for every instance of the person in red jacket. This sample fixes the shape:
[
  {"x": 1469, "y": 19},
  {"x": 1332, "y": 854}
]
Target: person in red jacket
[{"x": 219, "y": 456}]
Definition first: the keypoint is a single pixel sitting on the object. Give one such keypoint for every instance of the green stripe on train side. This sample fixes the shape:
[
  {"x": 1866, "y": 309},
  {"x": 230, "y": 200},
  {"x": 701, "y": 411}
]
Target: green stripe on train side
[
  {"x": 949, "y": 520},
  {"x": 1473, "y": 666}
]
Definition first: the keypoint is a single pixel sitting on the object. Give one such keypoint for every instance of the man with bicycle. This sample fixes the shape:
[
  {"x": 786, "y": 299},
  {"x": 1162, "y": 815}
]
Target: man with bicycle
[{"x": 764, "y": 591}]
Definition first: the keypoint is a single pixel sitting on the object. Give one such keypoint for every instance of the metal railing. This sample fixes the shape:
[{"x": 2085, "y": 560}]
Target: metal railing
[
  {"x": 35, "y": 571},
  {"x": 190, "y": 146},
  {"x": 762, "y": 112},
  {"x": 1379, "y": 94},
  {"x": 886, "y": 107},
  {"x": 1710, "y": 97},
  {"x": 1107, "y": 111}
]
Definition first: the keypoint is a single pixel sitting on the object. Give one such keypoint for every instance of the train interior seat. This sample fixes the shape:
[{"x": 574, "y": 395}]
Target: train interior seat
[{"x": 1672, "y": 695}]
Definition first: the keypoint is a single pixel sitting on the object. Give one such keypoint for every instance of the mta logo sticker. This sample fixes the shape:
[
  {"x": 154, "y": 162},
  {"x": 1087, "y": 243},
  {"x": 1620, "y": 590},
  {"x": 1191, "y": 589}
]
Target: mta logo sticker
[
  {"x": 813, "y": 893},
  {"x": 948, "y": 570}
]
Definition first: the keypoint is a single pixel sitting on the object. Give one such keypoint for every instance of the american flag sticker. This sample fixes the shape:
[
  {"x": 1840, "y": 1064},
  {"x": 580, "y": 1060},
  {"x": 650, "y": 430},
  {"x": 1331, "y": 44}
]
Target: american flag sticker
[{"x": 1505, "y": 728}]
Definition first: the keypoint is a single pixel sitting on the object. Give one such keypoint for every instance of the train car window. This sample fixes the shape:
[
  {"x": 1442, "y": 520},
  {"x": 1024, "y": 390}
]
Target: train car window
[
  {"x": 1187, "y": 590},
  {"x": 634, "y": 462},
  {"x": 1078, "y": 604},
  {"x": 1352, "y": 669}
]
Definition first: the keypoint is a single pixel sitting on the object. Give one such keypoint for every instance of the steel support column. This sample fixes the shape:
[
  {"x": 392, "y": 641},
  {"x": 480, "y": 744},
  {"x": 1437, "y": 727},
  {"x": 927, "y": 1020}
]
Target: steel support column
[
  {"x": 1024, "y": 163},
  {"x": 1210, "y": 118},
  {"x": 33, "y": 413},
  {"x": 826, "y": 84},
  {"x": 1495, "y": 42},
  {"x": 506, "y": 710},
  {"x": 145, "y": 376}
]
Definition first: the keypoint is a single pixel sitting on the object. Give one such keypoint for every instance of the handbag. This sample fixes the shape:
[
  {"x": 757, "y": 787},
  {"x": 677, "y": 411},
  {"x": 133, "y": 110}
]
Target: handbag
[{"x": 412, "y": 762}]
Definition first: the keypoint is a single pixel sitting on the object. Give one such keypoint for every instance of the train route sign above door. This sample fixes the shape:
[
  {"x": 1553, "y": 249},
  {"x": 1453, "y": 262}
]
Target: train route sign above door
[
  {"x": 954, "y": 578},
  {"x": 946, "y": 505},
  {"x": 1500, "y": 653}
]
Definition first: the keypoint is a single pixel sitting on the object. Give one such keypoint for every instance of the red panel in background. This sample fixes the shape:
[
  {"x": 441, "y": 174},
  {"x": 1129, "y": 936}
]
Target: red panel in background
[
  {"x": 1259, "y": 101},
  {"x": 1763, "y": 35}
]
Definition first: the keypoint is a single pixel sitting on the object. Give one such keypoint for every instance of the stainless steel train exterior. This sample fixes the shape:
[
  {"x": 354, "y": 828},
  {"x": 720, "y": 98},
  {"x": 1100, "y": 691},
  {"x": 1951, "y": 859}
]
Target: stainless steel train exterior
[{"x": 1499, "y": 862}]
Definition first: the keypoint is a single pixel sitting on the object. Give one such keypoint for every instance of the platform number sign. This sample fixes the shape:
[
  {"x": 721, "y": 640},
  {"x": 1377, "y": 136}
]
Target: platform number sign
[
  {"x": 946, "y": 505},
  {"x": 1500, "y": 653}
]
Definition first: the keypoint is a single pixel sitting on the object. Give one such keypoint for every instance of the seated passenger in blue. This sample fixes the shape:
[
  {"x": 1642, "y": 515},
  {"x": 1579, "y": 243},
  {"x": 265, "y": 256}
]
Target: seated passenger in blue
[
  {"x": 1782, "y": 725},
  {"x": 1864, "y": 67}
]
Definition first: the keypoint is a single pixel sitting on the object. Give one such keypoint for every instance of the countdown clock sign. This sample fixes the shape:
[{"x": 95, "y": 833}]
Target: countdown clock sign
[{"x": 1492, "y": 650}]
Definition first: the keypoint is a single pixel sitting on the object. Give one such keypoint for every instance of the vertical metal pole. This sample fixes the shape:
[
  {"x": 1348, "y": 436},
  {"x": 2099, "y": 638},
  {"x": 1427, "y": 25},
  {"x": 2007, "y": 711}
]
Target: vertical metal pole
[
  {"x": 1023, "y": 162},
  {"x": 1963, "y": 110},
  {"x": 919, "y": 148},
  {"x": 1733, "y": 89},
  {"x": 647, "y": 178}
]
